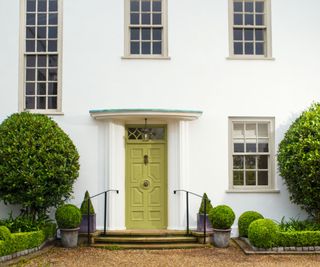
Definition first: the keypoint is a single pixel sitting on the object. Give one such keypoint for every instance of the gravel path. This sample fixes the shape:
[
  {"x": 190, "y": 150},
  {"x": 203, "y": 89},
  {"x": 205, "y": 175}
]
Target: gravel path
[{"x": 232, "y": 256}]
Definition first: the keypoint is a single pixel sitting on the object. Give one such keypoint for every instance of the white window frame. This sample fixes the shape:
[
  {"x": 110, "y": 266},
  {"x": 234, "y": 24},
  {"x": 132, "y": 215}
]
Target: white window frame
[
  {"x": 268, "y": 37},
  {"x": 271, "y": 187},
  {"x": 22, "y": 62},
  {"x": 164, "y": 19}
]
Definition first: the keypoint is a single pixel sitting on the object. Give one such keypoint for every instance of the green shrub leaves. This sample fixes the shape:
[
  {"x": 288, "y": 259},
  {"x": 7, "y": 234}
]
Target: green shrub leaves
[{"x": 245, "y": 220}]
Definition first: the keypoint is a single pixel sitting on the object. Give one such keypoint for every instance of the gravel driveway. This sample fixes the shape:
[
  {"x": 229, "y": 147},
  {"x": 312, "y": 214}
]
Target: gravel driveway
[{"x": 231, "y": 256}]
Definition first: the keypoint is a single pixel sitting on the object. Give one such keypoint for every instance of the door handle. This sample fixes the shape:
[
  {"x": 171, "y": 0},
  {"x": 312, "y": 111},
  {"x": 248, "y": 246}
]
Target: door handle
[{"x": 145, "y": 159}]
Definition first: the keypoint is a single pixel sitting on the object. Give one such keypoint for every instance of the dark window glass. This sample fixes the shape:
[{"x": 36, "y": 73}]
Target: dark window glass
[
  {"x": 134, "y": 6},
  {"x": 250, "y": 162},
  {"x": 30, "y": 88},
  {"x": 53, "y": 61},
  {"x": 262, "y": 162},
  {"x": 53, "y": 5},
  {"x": 41, "y": 102},
  {"x": 52, "y": 45},
  {"x": 259, "y": 20},
  {"x": 262, "y": 178},
  {"x": 249, "y": 48},
  {"x": 238, "y": 147},
  {"x": 134, "y": 48},
  {"x": 52, "y": 88},
  {"x": 146, "y": 34},
  {"x": 135, "y": 34},
  {"x": 30, "y": 46},
  {"x": 237, "y": 19},
  {"x": 31, "y": 61},
  {"x": 53, "y": 19},
  {"x": 30, "y": 75},
  {"x": 156, "y": 6},
  {"x": 248, "y": 6},
  {"x": 31, "y": 5},
  {"x": 134, "y": 18},
  {"x": 259, "y": 7},
  {"x": 238, "y": 162},
  {"x": 41, "y": 46},
  {"x": 53, "y": 76},
  {"x": 250, "y": 178},
  {"x": 157, "y": 34},
  {"x": 237, "y": 6},
  {"x": 41, "y": 89},
  {"x": 31, "y": 32},
  {"x": 42, "y": 32},
  {"x": 42, "y": 61},
  {"x": 248, "y": 34},
  {"x": 30, "y": 102},
  {"x": 53, "y": 32},
  {"x": 259, "y": 51},
  {"x": 52, "y": 102},
  {"x": 42, "y": 19},
  {"x": 237, "y": 35},
  {"x": 259, "y": 35},
  {"x": 156, "y": 19},
  {"x": 248, "y": 19},
  {"x": 146, "y": 48},
  {"x": 146, "y": 6},
  {"x": 251, "y": 147},
  {"x": 31, "y": 19},
  {"x": 42, "y": 5},
  {"x": 156, "y": 48},
  {"x": 263, "y": 147},
  {"x": 238, "y": 178},
  {"x": 238, "y": 48},
  {"x": 145, "y": 19},
  {"x": 42, "y": 75}
]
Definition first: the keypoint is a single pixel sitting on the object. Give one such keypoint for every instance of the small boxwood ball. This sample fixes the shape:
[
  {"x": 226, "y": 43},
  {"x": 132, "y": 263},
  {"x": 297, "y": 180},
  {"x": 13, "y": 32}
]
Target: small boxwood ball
[
  {"x": 245, "y": 220},
  {"x": 5, "y": 233},
  {"x": 68, "y": 216},
  {"x": 262, "y": 233},
  {"x": 222, "y": 217}
]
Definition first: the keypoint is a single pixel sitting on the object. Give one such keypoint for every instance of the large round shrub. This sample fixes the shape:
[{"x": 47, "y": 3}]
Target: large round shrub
[
  {"x": 262, "y": 233},
  {"x": 68, "y": 216},
  {"x": 5, "y": 233},
  {"x": 38, "y": 163},
  {"x": 222, "y": 217},
  {"x": 245, "y": 220},
  {"x": 299, "y": 160}
]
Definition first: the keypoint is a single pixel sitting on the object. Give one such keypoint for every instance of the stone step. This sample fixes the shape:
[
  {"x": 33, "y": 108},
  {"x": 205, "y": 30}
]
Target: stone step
[
  {"x": 115, "y": 246},
  {"x": 145, "y": 239},
  {"x": 144, "y": 233}
]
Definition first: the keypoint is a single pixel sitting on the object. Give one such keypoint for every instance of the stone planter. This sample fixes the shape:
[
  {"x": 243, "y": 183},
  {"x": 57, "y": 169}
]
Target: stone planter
[
  {"x": 84, "y": 223},
  {"x": 69, "y": 237},
  {"x": 200, "y": 219},
  {"x": 221, "y": 237}
]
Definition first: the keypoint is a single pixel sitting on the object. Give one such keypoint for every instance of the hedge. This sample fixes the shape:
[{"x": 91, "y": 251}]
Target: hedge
[{"x": 298, "y": 238}]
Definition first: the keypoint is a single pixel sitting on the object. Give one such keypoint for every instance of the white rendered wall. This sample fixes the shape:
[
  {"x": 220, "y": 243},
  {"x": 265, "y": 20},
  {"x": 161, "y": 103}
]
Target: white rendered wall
[{"x": 198, "y": 76}]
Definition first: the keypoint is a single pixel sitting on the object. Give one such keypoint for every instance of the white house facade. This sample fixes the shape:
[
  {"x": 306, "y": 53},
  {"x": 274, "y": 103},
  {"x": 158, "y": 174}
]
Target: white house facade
[{"x": 164, "y": 95}]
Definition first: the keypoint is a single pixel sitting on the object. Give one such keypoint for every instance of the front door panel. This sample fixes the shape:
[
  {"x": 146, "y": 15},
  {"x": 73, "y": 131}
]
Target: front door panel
[{"x": 146, "y": 186}]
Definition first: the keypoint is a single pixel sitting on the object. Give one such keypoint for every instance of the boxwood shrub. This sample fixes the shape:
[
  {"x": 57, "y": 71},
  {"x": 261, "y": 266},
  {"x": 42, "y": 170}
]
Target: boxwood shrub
[
  {"x": 263, "y": 233},
  {"x": 298, "y": 238},
  {"x": 208, "y": 205},
  {"x": 68, "y": 216},
  {"x": 245, "y": 220},
  {"x": 222, "y": 217},
  {"x": 5, "y": 233},
  {"x": 84, "y": 205}
]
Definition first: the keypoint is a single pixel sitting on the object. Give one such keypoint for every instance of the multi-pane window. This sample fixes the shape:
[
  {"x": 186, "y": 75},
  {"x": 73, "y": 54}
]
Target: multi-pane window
[
  {"x": 251, "y": 153},
  {"x": 41, "y": 55},
  {"x": 250, "y": 28},
  {"x": 146, "y": 31}
]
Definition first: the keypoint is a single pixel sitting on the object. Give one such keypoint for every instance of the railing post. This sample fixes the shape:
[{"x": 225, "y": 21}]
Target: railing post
[
  {"x": 105, "y": 213},
  {"x": 88, "y": 214},
  {"x": 205, "y": 221},
  {"x": 187, "y": 200}
]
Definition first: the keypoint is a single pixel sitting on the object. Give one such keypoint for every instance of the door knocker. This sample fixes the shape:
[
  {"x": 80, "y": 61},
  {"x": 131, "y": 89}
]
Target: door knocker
[{"x": 145, "y": 159}]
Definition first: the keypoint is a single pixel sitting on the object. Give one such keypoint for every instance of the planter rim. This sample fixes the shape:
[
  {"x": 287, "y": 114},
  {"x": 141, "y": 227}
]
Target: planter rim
[
  {"x": 69, "y": 229},
  {"x": 222, "y": 230}
]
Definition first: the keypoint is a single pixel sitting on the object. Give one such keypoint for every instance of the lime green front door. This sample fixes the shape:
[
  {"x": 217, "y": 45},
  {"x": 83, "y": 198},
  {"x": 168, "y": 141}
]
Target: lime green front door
[{"x": 146, "y": 186}]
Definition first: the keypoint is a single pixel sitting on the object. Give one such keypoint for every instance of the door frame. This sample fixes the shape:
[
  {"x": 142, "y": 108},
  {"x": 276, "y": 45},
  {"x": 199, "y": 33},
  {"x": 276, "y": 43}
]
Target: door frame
[{"x": 165, "y": 143}]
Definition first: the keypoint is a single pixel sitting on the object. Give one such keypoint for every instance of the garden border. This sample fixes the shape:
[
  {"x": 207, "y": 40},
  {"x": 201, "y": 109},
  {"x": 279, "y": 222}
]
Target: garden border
[{"x": 248, "y": 249}]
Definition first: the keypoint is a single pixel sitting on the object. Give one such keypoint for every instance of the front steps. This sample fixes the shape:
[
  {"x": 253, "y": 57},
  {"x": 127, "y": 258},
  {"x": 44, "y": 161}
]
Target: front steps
[{"x": 149, "y": 239}]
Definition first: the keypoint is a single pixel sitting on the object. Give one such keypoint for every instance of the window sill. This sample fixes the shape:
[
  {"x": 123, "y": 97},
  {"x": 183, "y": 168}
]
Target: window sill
[
  {"x": 147, "y": 57},
  {"x": 250, "y": 58},
  {"x": 45, "y": 112},
  {"x": 277, "y": 191}
]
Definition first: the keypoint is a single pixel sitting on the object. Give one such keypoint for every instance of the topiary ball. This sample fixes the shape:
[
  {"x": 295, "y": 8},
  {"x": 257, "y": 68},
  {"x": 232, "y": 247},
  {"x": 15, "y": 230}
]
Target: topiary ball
[
  {"x": 245, "y": 220},
  {"x": 262, "y": 233},
  {"x": 68, "y": 216},
  {"x": 5, "y": 233},
  {"x": 222, "y": 217}
]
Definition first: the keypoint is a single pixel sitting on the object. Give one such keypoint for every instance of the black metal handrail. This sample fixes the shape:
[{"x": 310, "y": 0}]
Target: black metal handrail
[
  {"x": 105, "y": 210},
  {"x": 187, "y": 204}
]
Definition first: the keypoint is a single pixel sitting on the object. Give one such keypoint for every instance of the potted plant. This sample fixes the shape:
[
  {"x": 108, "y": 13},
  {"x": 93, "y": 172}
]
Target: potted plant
[
  {"x": 203, "y": 214},
  {"x": 68, "y": 218},
  {"x": 222, "y": 218},
  {"x": 85, "y": 218}
]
